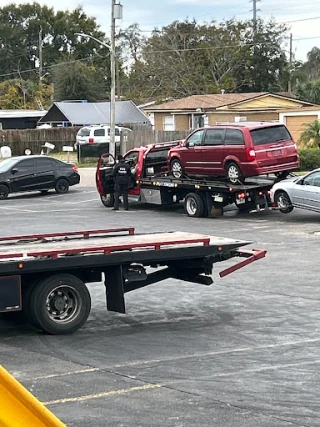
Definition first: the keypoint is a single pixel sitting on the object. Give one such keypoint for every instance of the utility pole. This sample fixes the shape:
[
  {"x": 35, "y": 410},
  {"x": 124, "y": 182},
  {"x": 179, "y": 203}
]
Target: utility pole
[
  {"x": 112, "y": 144},
  {"x": 40, "y": 54},
  {"x": 290, "y": 64},
  {"x": 254, "y": 17}
]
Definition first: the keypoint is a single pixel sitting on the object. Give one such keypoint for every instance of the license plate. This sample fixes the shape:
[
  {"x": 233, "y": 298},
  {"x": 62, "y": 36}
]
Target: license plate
[
  {"x": 276, "y": 153},
  {"x": 218, "y": 199},
  {"x": 239, "y": 201}
]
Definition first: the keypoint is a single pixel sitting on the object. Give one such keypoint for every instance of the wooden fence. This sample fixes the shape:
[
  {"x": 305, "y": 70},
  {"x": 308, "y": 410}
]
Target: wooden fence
[{"x": 34, "y": 139}]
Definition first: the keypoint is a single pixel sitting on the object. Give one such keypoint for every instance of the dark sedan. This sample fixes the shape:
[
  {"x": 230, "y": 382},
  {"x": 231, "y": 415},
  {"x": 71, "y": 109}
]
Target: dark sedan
[{"x": 36, "y": 173}]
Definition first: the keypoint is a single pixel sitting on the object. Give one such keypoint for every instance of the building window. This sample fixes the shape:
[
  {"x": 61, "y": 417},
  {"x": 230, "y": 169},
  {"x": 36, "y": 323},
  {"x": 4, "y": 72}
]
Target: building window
[{"x": 168, "y": 123}]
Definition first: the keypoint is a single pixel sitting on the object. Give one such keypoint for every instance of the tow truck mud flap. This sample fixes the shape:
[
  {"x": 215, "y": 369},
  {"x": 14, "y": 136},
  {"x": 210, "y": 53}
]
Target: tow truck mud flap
[
  {"x": 10, "y": 293},
  {"x": 18, "y": 407},
  {"x": 114, "y": 289},
  {"x": 214, "y": 205}
]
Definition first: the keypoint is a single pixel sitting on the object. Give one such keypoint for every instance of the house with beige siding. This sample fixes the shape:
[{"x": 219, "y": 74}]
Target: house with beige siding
[
  {"x": 297, "y": 119},
  {"x": 206, "y": 110}
]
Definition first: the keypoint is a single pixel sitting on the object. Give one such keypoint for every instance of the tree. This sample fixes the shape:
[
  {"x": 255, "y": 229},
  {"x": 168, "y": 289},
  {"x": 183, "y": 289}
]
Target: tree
[
  {"x": 309, "y": 91},
  {"x": 20, "y": 27},
  {"x": 312, "y": 65},
  {"x": 76, "y": 80},
  {"x": 310, "y": 137},
  {"x": 18, "y": 93}
]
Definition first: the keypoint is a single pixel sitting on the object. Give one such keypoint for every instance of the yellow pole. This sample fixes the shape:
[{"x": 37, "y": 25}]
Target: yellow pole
[{"x": 19, "y": 408}]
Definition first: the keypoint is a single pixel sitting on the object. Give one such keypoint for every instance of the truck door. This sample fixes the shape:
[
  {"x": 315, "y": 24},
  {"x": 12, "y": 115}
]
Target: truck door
[{"x": 135, "y": 160}]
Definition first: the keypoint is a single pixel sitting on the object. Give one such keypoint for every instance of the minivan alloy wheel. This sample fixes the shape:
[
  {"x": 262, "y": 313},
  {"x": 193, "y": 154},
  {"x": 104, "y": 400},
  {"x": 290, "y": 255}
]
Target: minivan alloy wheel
[
  {"x": 234, "y": 173},
  {"x": 176, "y": 169}
]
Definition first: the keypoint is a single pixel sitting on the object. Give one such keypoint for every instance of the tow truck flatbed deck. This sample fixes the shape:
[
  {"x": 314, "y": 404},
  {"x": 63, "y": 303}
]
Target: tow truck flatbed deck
[{"x": 46, "y": 274}]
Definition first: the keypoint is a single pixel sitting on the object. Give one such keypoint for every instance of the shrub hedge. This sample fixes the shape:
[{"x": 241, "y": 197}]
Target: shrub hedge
[{"x": 309, "y": 159}]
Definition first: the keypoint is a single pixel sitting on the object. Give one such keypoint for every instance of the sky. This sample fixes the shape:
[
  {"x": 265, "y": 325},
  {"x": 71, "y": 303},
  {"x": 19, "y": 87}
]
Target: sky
[{"x": 303, "y": 18}]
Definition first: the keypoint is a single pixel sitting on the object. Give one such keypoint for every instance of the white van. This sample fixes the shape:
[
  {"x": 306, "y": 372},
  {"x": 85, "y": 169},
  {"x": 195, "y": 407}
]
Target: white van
[{"x": 96, "y": 134}]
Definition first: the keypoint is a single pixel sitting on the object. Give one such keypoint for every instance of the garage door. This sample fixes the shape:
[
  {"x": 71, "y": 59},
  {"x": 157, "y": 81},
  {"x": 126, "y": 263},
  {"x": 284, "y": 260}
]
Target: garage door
[{"x": 296, "y": 124}]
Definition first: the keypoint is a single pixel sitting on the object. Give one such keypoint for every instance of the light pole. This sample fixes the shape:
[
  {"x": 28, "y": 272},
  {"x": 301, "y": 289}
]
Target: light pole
[{"x": 112, "y": 144}]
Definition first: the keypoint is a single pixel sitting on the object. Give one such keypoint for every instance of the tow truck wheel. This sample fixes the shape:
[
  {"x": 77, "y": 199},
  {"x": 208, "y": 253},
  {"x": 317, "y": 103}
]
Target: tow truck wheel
[
  {"x": 4, "y": 191},
  {"x": 107, "y": 200},
  {"x": 234, "y": 173},
  {"x": 194, "y": 205},
  {"x": 283, "y": 202},
  {"x": 60, "y": 304},
  {"x": 176, "y": 169}
]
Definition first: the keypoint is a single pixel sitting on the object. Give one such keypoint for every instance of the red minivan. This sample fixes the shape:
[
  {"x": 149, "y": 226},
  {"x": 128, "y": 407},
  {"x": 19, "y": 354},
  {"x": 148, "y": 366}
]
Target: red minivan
[{"x": 235, "y": 151}]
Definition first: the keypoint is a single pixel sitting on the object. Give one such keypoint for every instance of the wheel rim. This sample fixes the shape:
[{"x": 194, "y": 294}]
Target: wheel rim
[
  {"x": 3, "y": 192},
  {"x": 63, "y": 304},
  {"x": 106, "y": 198},
  {"x": 233, "y": 173},
  {"x": 283, "y": 202},
  {"x": 176, "y": 169},
  {"x": 63, "y": 185},
  {"x": 191, "y": 206}
]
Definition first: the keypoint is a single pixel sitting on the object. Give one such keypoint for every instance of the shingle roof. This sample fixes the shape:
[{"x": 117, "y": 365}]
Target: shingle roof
[
  {"x": 207, "y": 101},
  {"x": 92, "y": 113}
]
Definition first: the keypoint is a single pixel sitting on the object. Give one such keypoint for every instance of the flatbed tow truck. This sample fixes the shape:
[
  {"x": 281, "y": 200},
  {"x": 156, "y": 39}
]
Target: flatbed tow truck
[
  {"x": 45, "y": 275},
  {"x": 202, "y": 197}
]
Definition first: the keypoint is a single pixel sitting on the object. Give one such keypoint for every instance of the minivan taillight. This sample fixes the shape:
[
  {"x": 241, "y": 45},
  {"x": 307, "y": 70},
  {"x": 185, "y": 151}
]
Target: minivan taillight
[
  {"x": 251, "y": 154},
  {"x": 91, "y": 140}
]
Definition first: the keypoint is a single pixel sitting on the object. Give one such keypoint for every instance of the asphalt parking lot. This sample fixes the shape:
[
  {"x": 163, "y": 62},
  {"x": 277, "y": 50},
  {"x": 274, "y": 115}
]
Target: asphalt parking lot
[{"x": 243, "y": 352}]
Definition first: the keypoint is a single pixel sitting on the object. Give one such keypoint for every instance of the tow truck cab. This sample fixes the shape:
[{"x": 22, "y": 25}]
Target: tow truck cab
[{"x": 145, "y": 161}]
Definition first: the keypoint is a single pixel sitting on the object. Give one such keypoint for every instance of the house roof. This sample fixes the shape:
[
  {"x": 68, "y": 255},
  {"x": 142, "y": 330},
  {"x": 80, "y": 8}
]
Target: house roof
[
  {"x": 92, "y": 113},
  {"x": 17, "y": 114},
  {"x": 215, "y": 101}
]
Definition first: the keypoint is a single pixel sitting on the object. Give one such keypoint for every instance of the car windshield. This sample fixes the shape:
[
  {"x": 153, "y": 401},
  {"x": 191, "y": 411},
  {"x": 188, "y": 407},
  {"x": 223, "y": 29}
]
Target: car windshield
[
  {"x": 7, "y": 164},
  {"x": 84, "y": 132}
]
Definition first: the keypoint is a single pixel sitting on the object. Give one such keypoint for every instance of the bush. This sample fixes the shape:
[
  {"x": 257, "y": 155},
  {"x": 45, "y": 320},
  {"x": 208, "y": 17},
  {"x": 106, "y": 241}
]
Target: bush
[{"x": 309, "y": 159}]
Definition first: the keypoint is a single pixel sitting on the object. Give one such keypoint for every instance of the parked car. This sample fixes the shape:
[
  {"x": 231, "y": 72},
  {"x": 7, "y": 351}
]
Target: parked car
[
  {"x": 36, "y": 173},
  {"x": 299, "y": 191},
  {"x": 96, "y": 134},
  {"x": 235, "y": 151}
]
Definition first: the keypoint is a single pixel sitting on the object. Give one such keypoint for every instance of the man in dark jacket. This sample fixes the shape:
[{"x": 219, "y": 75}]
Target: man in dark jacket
[{"x": 122, "y": 178}]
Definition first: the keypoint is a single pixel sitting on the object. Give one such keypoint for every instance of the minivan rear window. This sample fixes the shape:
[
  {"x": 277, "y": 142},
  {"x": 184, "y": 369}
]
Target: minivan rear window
[
  {"x": 269, "y": 135},
  {"x": 84, "y": 132}
]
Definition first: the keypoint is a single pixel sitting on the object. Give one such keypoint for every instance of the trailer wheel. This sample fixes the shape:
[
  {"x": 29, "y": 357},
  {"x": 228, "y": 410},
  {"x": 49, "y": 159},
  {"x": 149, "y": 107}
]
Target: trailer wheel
[
  {"x": 283, "y": 202},
  {"x": 194, "y": 205},
  {"x": 107, "y": 200},
  {"x": 60, "y": 304}
]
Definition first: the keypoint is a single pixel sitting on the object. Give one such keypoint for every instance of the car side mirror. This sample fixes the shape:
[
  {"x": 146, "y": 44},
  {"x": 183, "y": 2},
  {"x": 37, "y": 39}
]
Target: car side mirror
[
  {"x": 190, "y": 144},
  {"x": 14, "y": 171}
]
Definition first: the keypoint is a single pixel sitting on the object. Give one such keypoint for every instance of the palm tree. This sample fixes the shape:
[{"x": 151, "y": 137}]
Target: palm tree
[{"x": 310, "y": 137}]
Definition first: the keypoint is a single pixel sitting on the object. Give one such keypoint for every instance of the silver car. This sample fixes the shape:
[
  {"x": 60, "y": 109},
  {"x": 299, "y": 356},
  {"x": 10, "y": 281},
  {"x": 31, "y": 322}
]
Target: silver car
[{"x": 299, "y": 191}]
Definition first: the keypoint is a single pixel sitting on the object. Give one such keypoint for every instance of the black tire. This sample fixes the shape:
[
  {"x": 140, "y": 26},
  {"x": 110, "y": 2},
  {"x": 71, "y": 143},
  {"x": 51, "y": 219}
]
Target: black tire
[
  {"x": 176, "y": 169},
  {"x": 194, "y": 205},
  {"x": 4, "y": 191},
  {"x": 282, "y": 175},
  {"x": 107, "y": 200},
  {"x": 60, "y": 304},
  {"x": 233, "y": 173},
  {"x": 62, "y": 186},
  {"x": 283, "y": 202}
]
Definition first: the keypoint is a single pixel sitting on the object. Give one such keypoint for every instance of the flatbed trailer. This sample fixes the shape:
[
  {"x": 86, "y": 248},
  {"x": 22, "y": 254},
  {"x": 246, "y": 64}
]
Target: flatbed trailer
[
  {"x": 203, "y": 197},
  {"x": 45, "y": 275}
]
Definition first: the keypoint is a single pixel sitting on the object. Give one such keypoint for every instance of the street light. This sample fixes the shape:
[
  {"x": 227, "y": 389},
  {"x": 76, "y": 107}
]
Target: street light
[{"x": 112, "y": 144}]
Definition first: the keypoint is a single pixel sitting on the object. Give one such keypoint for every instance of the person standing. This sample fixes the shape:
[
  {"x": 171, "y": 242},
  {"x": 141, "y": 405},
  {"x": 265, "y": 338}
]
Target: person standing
[{"x": 122, "y": 177}]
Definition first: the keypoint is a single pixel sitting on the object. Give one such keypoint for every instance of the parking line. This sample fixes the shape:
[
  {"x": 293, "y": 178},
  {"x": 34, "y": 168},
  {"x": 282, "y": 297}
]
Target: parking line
[
  {"x": 103, "y": 394},
  {"x": 83, "y": 371}
]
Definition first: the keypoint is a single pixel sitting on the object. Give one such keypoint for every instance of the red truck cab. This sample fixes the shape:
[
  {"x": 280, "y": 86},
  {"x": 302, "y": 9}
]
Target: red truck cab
[{"x": 144, "y": 161}]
